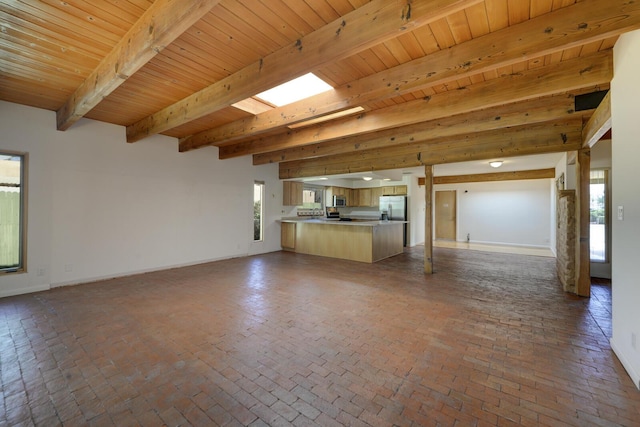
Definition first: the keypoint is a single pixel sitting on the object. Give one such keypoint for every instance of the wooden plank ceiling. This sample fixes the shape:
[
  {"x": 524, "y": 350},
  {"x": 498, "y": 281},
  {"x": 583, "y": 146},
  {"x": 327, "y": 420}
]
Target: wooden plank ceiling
[{"x": 439, "y": 81}]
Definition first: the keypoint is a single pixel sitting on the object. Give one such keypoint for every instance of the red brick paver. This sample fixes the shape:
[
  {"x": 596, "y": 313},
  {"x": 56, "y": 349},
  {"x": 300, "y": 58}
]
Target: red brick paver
[{"x": 286, "y": 339}]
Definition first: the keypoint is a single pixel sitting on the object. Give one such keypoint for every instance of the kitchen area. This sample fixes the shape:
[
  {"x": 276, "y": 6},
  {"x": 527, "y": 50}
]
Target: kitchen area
[{"x": 358, "y": 224}]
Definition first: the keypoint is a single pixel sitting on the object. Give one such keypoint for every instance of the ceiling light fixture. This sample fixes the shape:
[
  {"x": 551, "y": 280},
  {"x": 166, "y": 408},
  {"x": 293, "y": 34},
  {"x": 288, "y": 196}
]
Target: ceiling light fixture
[
  {"x": 367, "y": 178},
  {"x": 495, "y": 164}
]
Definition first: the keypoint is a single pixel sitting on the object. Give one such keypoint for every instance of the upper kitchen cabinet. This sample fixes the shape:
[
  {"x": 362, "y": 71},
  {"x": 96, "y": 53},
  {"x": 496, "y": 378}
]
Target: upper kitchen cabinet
[
  {"x": 394, "y": 190},
  {"x": 291, "y": 193},
  {"x": 376, "y": 192},
  {"x": 364, "y": 196}
]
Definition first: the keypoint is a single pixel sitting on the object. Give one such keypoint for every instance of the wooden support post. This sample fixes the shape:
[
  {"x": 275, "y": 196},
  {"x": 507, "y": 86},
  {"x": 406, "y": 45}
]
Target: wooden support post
[
  {"x": 583, "y": 258},
  {"x": 428, "y": 219}
]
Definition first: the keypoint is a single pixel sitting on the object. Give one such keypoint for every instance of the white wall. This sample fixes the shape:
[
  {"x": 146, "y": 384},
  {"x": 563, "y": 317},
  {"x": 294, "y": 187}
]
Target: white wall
[
  {"x": 99, "y": 207},
  {"x": 625, "y": 92},
  {"x": 507, "y": 212}
]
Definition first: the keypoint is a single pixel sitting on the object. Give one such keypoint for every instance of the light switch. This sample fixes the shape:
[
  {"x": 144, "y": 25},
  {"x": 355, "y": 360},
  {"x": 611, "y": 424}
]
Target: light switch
[{"x": 620, "y": 213}]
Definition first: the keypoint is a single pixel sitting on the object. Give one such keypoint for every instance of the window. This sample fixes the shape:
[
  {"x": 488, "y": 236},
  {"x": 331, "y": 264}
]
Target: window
[
  {"x": 598, "y": 216},
  {"x": 12, "y": 211},
  {"x": 312, "y": 198},
  {"x": 258, "y": 208}
]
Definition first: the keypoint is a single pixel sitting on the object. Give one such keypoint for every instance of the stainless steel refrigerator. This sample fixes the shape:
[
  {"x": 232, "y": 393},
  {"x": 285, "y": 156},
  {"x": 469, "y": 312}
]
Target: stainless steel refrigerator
[{"x": 395, "y": 208}]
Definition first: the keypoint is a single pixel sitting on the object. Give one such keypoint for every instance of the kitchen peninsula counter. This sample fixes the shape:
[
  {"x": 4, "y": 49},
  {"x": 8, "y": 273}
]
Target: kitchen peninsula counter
[{"x": 358, "y": 240}]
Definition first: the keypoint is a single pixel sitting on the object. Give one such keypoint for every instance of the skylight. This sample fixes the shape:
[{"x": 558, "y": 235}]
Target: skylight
[{"x": 295, "y": 90}]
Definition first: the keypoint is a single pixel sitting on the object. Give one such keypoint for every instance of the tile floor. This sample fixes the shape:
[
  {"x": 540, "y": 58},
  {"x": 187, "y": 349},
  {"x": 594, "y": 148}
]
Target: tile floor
[{"x": 285, "y": 339}]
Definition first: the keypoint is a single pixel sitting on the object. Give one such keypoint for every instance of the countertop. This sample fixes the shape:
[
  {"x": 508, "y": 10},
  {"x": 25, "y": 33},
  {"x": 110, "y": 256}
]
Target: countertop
[{"x": 354, "y": 222}]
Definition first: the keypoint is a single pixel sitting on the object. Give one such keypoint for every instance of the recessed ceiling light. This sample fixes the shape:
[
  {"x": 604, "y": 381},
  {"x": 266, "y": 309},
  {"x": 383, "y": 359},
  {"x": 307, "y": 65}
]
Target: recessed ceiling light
[
  {"x": 295, "y": 90},
  {"x": 386, "y": 179},
  {"x": 495, "y": 164},
  {"x": 367, "y": 178}
]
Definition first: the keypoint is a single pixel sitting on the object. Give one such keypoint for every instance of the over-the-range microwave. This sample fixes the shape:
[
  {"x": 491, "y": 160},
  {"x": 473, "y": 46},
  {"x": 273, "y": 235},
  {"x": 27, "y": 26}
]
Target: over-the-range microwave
[{"x": 339, "y": 201}]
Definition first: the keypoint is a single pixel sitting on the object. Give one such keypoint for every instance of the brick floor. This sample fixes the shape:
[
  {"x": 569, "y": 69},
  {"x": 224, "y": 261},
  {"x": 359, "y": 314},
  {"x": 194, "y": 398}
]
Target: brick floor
[{"x": 286, "y": 339}]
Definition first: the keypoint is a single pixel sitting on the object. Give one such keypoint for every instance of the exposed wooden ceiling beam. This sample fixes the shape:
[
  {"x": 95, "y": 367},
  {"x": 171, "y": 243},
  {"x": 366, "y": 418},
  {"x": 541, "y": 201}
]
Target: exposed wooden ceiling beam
[
  {"x": 366, "y": 26},
  {"x": 161, "y": 24},
  {"x": 514, "y": 114},
  {"x": 496, "y": 176},
  {"x": 556, "y": 78},
  {"x": 545, "y": 138},
  {"x": 599, "y": 123},
  {"x": 564, "y": 28}
]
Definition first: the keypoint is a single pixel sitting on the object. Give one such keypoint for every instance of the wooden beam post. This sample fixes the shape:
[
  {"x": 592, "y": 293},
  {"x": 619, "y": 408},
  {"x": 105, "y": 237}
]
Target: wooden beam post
[
  {"x": 583, "y": 257},
  {"x": 598, "y": 124},
  {"x": 428, "y": 219}
]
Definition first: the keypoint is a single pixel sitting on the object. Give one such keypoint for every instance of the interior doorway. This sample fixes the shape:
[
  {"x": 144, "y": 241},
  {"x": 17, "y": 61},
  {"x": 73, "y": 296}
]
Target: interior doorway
[{"x": 445, "y": 220}]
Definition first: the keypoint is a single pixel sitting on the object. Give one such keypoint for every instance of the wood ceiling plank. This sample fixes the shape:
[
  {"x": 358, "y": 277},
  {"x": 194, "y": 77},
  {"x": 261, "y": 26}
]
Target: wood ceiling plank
[
  {"x": 384, "y": 55},
  {"x": 442, "y": 33},
  {"x": 261, "y": 23},
  {"x": 497, "y": 14},
  {"x": 324, "y": 9},
  {"x": 509, "y": 115},
  {"x": 115, "y": 21},
  {"x": 67, "y": 42},
  {"x": 291, "y": 18},
  {"x": 162, "y": 23},
  {"x": 305, "y": 12},
  {"x": 344, "y": 37},
  {"x": 459, "y": 26},
  {"x": 398, "y": 51},
  {"x": 478, "y": 21},
  {"x": 557, "y": 78},
  {"x": 61, "y": 21},
  {"x": 427, "y": 41},
  {"x": 518, "y": 11},
  {"x": 228, "y": 28},
  {"x": 561, "y": 136},
  {"x": 497, "y": 176},
  {"x": 411, "y": 45},
  {"x": 530, "y": 39},
  {"x": 540, "y": 7}
]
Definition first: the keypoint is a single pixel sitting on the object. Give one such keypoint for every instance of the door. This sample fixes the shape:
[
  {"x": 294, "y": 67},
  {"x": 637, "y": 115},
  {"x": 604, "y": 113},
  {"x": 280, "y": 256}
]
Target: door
[
  {"x": 446, "y": 215},
  {"x": 600, "y": 223}
]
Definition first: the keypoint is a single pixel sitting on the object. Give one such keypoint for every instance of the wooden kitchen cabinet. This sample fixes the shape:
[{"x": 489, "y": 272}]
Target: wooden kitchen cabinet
[
  {"x": 394, "y": 190},
  {"x": 288, "y": 236},
  {"x": 376, "y": 192},
  {"x": 291, "y": 193},
  {"x": 364, "y": 197}
]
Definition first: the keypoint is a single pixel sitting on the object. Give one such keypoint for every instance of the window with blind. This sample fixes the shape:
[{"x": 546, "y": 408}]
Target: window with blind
[{"x": 12, "y": 212}]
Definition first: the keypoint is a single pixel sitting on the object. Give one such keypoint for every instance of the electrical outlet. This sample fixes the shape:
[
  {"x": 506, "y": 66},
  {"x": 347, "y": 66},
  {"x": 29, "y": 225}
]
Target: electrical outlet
[
  {"x": 41, "y": 272},
  {"x": 68, "y": 268}
]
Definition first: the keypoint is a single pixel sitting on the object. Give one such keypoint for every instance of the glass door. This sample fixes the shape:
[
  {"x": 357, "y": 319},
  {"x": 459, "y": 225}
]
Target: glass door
[{"x": 599, "y": 219}]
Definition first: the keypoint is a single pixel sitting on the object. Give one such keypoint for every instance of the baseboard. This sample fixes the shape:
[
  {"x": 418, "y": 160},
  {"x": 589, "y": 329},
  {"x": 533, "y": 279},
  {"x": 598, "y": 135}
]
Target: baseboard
[
  {"x": 142, "y": 271},
  {"x": 635, "y": 375},
  {"x": 22, "y": 291},
  {"x": 518, "y": 245}
]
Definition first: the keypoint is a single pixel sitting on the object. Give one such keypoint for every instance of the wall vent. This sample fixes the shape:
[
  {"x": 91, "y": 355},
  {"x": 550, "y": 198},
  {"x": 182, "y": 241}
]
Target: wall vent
[{"x": 589, "y": 101}]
